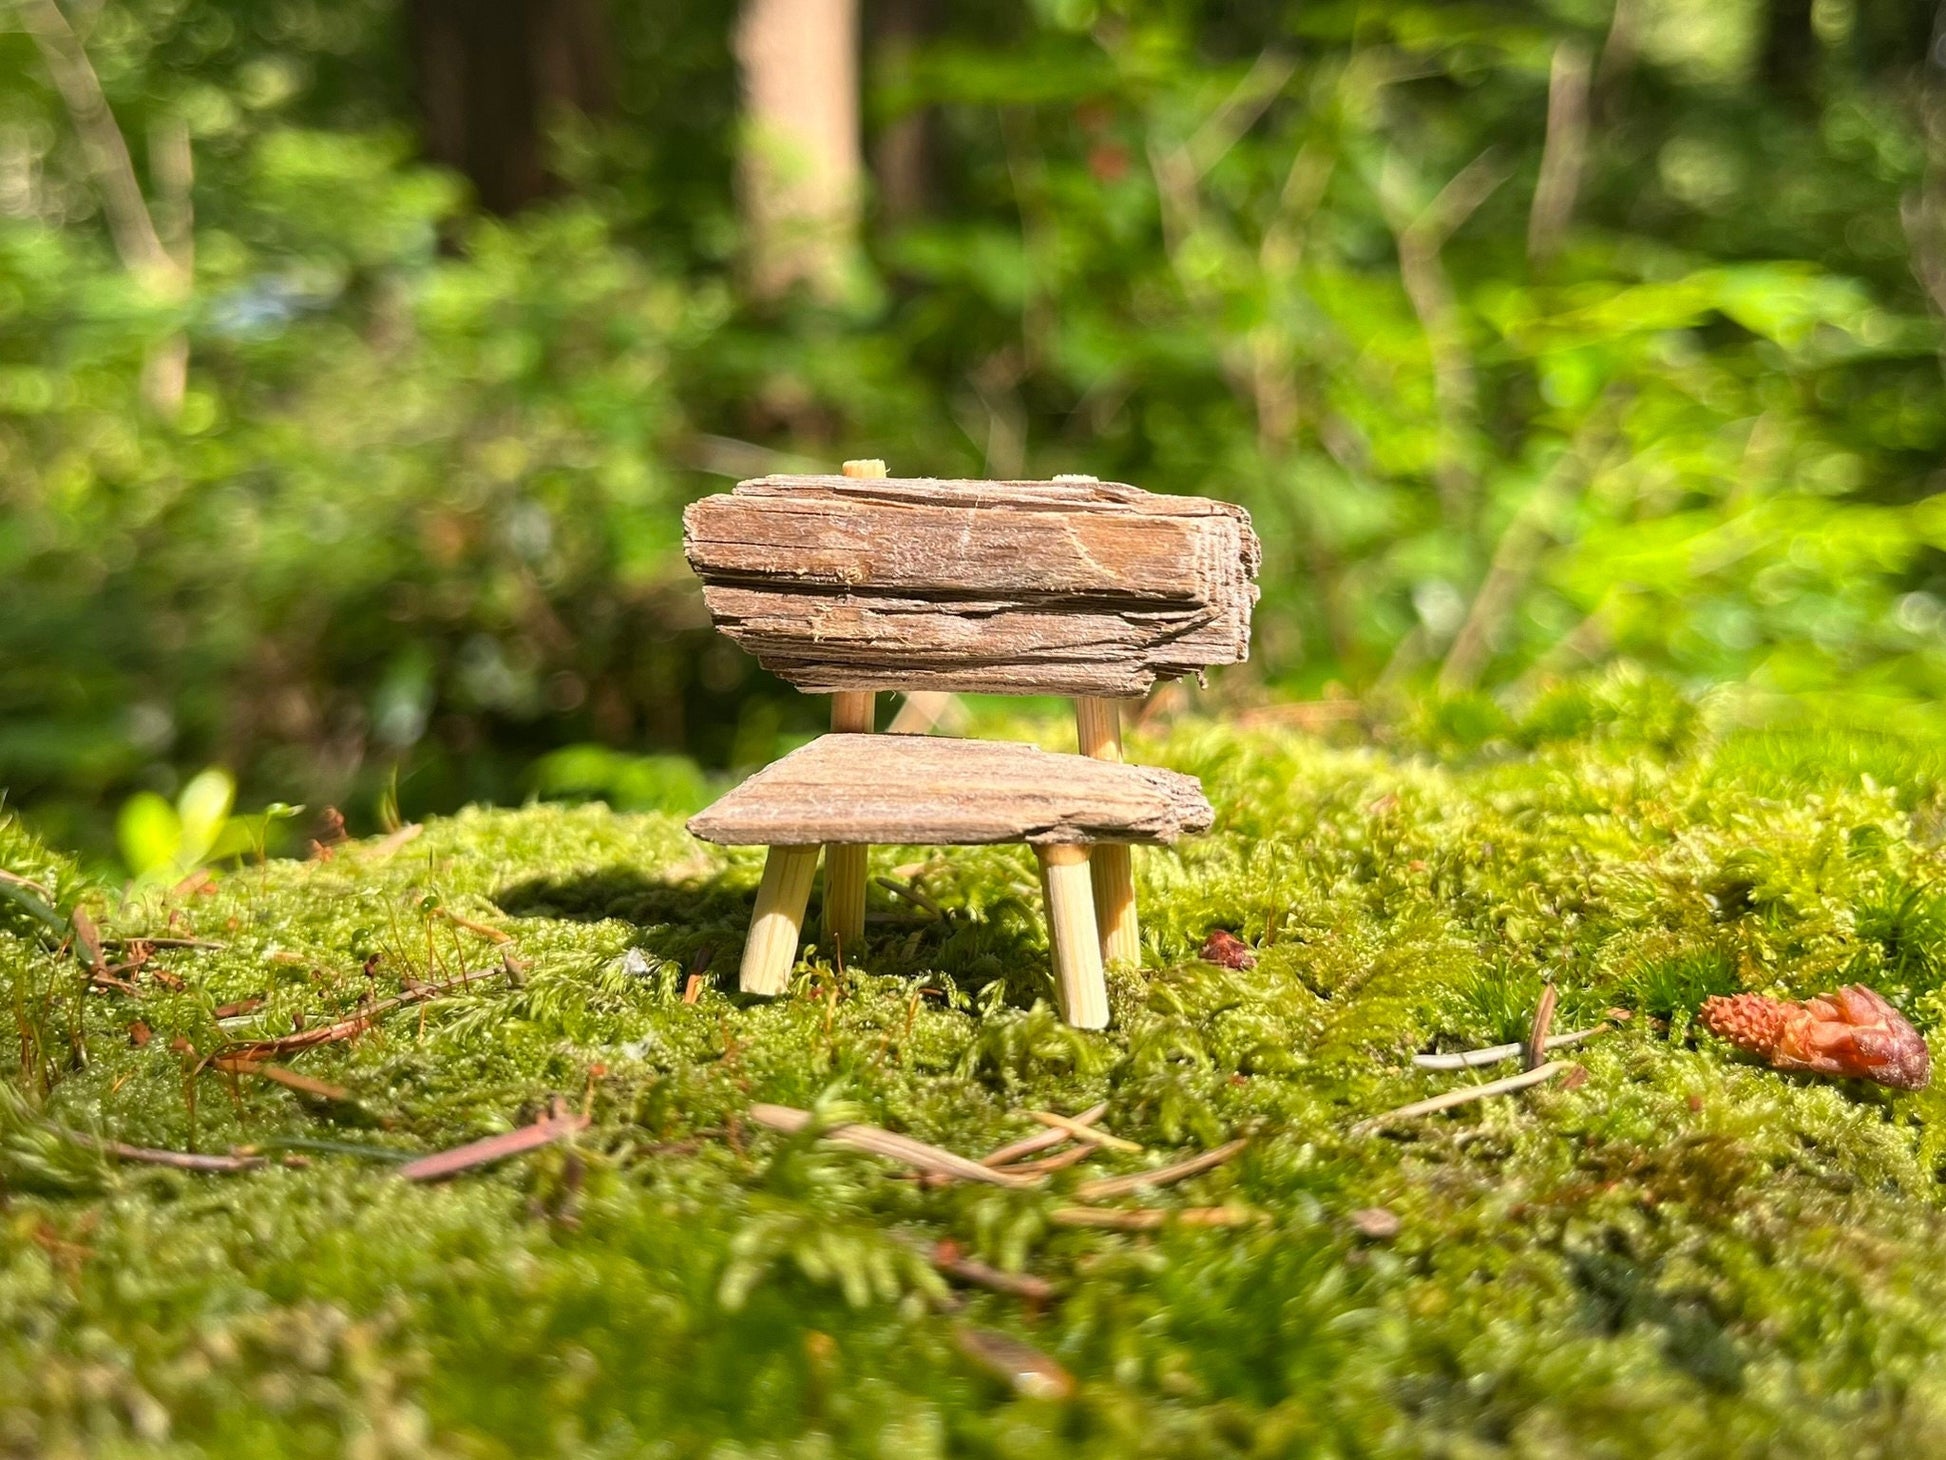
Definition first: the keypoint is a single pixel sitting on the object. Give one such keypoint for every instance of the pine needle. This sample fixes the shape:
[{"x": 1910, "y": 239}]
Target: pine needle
[
  {"x": 1043, "y": 1140},
  {"x": 1493, "y": 1054},
  {"x": 889, "y": 1144},
  {"x": 1149, "y": 1219},
  {"x": 1083, "y": 1132},
  {"x": 1463, "y": 1096},
  {"x": 1109, "y": 1186},
  {"x": 545, "y": 1131}
]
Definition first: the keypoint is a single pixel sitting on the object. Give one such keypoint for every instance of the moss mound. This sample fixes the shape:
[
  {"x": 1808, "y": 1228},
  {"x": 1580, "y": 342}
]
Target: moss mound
[{"x": 1683, "y": 1253}]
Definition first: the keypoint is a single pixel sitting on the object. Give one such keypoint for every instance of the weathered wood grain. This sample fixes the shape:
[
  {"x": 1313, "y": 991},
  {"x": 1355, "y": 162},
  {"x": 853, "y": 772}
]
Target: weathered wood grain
[
  {"x": 929, "y": 791},
  {"x": 1070, "y": 587}
]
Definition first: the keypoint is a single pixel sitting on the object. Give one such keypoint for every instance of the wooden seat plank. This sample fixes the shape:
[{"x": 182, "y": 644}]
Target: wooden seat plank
[{"x": 931, "y": 791}]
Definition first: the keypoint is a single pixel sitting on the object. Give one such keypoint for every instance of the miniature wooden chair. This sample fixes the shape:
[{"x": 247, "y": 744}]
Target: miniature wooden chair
[{"x": 852, "y": 584}]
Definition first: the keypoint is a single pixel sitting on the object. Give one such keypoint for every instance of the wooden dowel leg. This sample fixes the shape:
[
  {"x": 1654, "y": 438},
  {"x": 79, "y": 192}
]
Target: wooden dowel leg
[
  {"x": 844, "y": 896},
  {"x": 1114, "y": 890},
  {"x": 853, "y": 712},
  {"x": 1098, "y": 726},
  {"x": 1071, "y": 936},
  {"x": 777, "y": 925}
]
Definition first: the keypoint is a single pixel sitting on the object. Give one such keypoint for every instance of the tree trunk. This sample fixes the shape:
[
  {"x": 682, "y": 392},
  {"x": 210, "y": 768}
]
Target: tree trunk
[
  {"x": 799, "y": 173},
  {"x": 491, "y": 76},
  {"x": 1790, "y": 56},
  {"x": 902, "y": 148}
]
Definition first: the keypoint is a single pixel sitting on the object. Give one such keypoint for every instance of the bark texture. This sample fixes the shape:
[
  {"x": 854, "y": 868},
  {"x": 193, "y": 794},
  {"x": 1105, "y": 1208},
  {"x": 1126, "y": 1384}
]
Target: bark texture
[
  {"x": 927, "y": 791},
  {"x": 1065, "y": 587}
]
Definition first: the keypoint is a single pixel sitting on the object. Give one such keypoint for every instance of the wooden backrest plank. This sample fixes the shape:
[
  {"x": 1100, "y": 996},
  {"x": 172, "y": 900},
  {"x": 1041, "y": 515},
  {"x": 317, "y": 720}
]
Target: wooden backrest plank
[{"x": 1069, "y": 586}]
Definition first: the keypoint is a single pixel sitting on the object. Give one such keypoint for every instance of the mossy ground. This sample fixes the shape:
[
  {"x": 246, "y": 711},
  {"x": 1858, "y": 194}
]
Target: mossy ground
[{"x": 1686, "y": 1254}]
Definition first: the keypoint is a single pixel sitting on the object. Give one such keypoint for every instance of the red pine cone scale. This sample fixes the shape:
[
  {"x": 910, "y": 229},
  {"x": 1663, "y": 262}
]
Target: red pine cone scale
[{"x": 1851, "y": 1034}]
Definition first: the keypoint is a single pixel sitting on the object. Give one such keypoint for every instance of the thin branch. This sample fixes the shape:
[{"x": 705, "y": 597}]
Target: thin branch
[
  {"x": 1514, "y": 556},
  {"x": 1534, "y": 1052},
  {"x": 910, "y": 894},
  {"x": 1059, "y": 1161},
  {"x": 1248, "y": 100},
  {"x": 1112, "y": 1186},
  {"x": 1149, "y": 1219},
  {"x": 543, "y": 1132},
  {"x": 1041, "y": 1140},
  {"x": 391, "y": 843},
  {"x": 165, "y": 373},
  {"x": 1419, "y": 239},
  {"x": 1083, "y": 1131},
  {"x": 890, "y": 1144},
  {"x": 129, "y": 220},
  {"x": 1466, "y": 1095},
  {"x": 27, "y": 882},
  {"x": 289, "y": 1079},
  {"x": 150, "y": 1156},
  {"x": 139, "y": 243},
  {"x": 345, "y": 1028},
  {"x": 1618, "y": 53},
  {"x": 946, "y": 1256},
  {"x": 1564, "y": 153},
  {"x": 1493, "y": 1054}
]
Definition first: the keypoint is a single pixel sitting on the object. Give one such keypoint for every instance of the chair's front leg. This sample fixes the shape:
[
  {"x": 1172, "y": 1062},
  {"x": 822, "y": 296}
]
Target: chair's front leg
[
  {"x": 777, "y": 925},
  {"x": 1072, "y": 937}
]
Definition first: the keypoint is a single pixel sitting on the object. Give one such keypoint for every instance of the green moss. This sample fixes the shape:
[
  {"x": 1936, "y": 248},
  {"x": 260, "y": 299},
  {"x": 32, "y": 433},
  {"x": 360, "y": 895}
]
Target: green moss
[{"x": 1686, "y": 1254}]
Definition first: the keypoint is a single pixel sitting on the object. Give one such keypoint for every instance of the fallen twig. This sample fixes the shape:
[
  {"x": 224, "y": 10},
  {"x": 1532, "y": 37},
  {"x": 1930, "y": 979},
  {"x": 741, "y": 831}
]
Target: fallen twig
[
  {"x": 150, "y": 1156},
  {"x": 289, "y": 1079},
  {"x": 16, "y": 890},
  {"x": 1083, "y": 1132},
  {"x": 1108, "y": 1186},
  {"x": 396, "y": 840},
  {"x": 910, "y": 894},
  {"x": 1022, "y": 1367},
  {"x": 88, "y": 939},
  {"x": 1463, "y": 1096},
  {"x": 348, "y": 1028},
  {"x": 333, "y": 1148},
  {"x": 180, "y": 1160},
  {"x": 1148, "y": 1219},
  {"x": 1473, "y": 1059},
  {"x": 545, "y": 1131},
  {"x": 1059, "y": 1161},
  {"x": 491, "y": 934},
  {"x": 1534, "y": 1052},
  {"x": 890, "y": 1144},
  {"x": 947, "y": 1257},
  {"x": 27, "y": 882},
  {"x": 159, "y": 942},
  {"x": 1041, "y": 1140}
]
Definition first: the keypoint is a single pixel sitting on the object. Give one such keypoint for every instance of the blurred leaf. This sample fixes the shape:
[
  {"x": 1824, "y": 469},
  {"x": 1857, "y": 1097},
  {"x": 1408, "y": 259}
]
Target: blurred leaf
[{"x": 149, "y": 832}]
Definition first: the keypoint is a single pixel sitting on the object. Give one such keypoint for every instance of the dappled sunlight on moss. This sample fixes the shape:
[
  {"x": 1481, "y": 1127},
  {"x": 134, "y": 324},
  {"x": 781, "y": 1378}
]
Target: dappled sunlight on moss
[{"x": 1686, "y": 1252}]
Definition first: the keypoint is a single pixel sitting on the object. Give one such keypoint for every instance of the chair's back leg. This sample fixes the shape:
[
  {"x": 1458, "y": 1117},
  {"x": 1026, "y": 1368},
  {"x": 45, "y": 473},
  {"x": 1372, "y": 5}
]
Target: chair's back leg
[
  {"x": 1071, "y": 935},
  {"x": 844, "y": 866},
  {"x": 777, "y": 925},
  {"x": 1098, "y": 725},
  {"x": 853, "y": 712}
]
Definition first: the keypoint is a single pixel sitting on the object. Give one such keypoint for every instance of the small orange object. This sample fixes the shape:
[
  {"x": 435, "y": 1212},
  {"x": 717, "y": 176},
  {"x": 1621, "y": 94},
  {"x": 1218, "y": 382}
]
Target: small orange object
[{"x": 1853, "y": 1033}]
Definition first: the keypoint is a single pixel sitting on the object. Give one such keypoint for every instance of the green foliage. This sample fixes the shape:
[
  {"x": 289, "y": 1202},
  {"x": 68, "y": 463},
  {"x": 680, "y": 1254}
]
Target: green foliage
[
  {"x": 415, "y": 523},
  {"x": 1686, "y": 1254},
  {"x": 625, "y": 782}
]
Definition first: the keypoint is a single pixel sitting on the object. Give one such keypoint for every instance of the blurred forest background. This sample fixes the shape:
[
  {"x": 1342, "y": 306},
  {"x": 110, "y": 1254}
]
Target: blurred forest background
[{"x": 358, "y": 356}]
